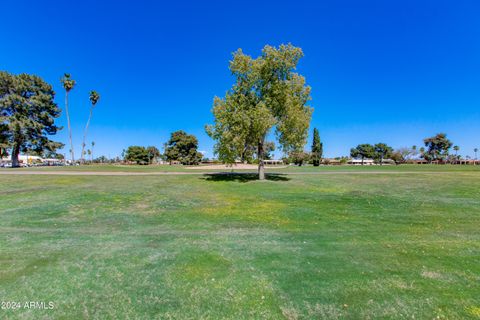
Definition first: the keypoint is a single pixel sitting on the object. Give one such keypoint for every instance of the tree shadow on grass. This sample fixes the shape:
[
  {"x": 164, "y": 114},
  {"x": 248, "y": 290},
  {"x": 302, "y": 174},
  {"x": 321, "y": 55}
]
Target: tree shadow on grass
[{"x": 242, "y": 177}]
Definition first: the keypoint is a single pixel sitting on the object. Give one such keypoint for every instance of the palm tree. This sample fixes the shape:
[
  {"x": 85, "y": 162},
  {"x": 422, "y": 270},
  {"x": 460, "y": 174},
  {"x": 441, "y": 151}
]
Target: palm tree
[
  {"x": 68, "y": 84},
  {"x": 414, "y": 151},
  {"x": 475, "y": 150},
  {"x": 456, "y": 148},
  {"x": 422, "y": 152},
  {"x": 90, "y": 154},
  {"x": 94, "y": 97},
  {"x": 93, "y": 145}
]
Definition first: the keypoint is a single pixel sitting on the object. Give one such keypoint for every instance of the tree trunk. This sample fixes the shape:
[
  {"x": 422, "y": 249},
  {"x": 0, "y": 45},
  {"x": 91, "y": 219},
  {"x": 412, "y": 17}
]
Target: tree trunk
[
  {"x": 261, "y": 164},
  {"x": 85, "y": 136},
  {"x": 362, "y": 161},
  {"x": 15, "y": 153},
  {"x": 72, "y": 156}
]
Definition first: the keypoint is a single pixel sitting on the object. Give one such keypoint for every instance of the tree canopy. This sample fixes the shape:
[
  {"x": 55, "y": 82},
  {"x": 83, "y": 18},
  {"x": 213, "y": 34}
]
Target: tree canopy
[
  {"x": 137, "y": 154},
  {"x": 437, "y": 147},
  {"x": 153, "y": 153},
  {"x": 267, "y": 93},
  {"x": 298, "y": 157},
  {"x": 27, "y": 114},
  {"x": 363, "y": 151},
  {"x": 381, "y": 151},
  {"x": 183, "y": 147}
]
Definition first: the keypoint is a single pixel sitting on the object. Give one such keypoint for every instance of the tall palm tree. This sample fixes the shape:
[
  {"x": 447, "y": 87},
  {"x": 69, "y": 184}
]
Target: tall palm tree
[
  {"x": 94, "y": 97},
  {"x": 456, "y": 148},
  {"x": 422, "y": 152},
  {"x": 414, "y": 151},
  {"x": 93, "y": 145},
  {"x": 68, "y": 84},
  {"x": 475, "y": 150}
]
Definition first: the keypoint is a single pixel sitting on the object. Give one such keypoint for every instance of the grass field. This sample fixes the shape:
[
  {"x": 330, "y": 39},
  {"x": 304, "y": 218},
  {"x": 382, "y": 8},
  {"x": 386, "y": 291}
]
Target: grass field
[{"x": 336, "y": 246}]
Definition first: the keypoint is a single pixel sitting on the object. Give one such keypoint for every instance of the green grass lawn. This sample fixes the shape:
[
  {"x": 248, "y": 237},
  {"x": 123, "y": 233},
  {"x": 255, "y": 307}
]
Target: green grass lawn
[{"x": 337, "y": 246}]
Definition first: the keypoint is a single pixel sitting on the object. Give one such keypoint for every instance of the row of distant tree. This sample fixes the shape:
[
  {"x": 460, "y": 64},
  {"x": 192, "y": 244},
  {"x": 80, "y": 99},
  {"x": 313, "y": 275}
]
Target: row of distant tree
[
  {"x": 437, "y": 148},
  {"x": 180, "y": 148}
]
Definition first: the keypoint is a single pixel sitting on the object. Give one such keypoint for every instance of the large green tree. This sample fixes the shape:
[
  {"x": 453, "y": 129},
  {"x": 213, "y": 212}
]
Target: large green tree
[
  {"x": 27, "y": 114},
  {"x": 363, "y": 151},
  {"x": 68, "y": 84},
  {"x": 183, "y": 147},
  {"x": 298, "y": 157},
  {"x": 94, "y": 97},
  {"x": 317, "y": 148},
  {"x": 438, "y": 147},
  {"x": 381, "y": 151},
  {"x": 137, "y": 154},
  {"x": 153, "y": 153},
  {"x": 267, "y": 93}
]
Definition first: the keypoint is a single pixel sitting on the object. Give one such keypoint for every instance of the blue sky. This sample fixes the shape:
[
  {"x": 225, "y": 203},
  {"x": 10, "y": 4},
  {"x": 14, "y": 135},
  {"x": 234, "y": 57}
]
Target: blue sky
[{"x": 380, "y": 71}]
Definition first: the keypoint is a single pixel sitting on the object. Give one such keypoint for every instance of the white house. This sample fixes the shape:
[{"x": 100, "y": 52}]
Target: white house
[
  {"x": 358, "y": 162},
  {"x": 273, "y": 162}
]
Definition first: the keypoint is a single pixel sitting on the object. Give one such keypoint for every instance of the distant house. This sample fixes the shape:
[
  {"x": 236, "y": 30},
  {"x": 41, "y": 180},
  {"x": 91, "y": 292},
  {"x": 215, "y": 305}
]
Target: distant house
[
  {"x": 331, "y": 161},
  {"x": 466, "y": 162},
  {"x": 358, "y": 162},
  {"x": 52, "y": 162},
  {"x": 273, "y": 162},
  {"x": 418, "y": 161},
  {"x": 423, "y": 161}
]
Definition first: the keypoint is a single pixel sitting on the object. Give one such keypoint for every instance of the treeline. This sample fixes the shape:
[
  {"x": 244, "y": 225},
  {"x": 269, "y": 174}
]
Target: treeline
[
  {"x": 180, "y": 148},
  {"x": 436, "y": 149}
]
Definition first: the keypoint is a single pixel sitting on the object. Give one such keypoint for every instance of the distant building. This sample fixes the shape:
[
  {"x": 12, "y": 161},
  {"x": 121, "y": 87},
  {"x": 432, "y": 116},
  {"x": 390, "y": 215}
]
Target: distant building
[
  {"x": 273, "y": 162},
  {"x": 24, "y": 160},
  {"x": 466, "y": 162},
  {"x": 358, "y": 162},
  {"x": 331, "y": 161}
]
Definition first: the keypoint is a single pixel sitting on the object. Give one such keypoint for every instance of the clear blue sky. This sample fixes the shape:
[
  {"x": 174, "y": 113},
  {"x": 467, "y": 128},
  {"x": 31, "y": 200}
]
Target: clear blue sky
[{"x": 380, "y": 71}]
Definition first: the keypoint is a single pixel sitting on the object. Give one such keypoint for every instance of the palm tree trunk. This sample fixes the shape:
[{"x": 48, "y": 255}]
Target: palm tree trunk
[
  {"x": 85, "y": 135},
  {"x": 72, "y": 156}
]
